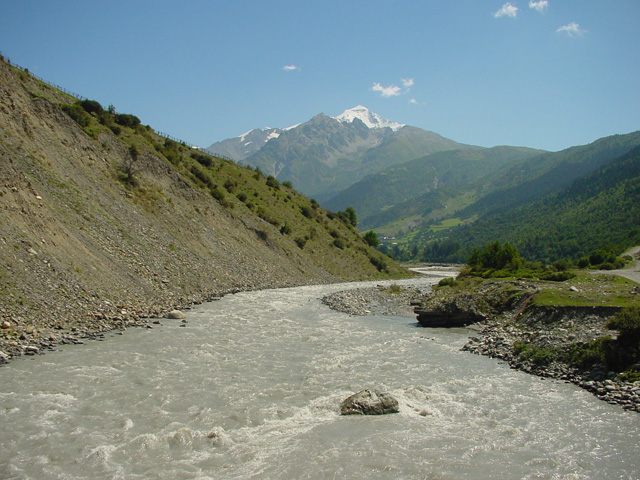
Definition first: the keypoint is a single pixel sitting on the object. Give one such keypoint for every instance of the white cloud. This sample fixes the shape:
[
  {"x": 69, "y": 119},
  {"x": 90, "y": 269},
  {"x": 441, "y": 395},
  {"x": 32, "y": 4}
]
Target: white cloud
[
  {"x": 407, "y": 83},
  {"x": 390, "y": 91},
  {"x": 507, "y": 10},
  {"x": 290, "y": 68},
  {"x": 540, "y": 5},
  {"x": 572, "y": 29},
  {"x": 394, "y": 90}
]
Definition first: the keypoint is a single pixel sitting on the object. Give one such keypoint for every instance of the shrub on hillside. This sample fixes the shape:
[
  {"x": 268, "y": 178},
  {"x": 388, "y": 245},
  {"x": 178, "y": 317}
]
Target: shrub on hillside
[
  {"x": 204, "y": 160},
  {"x": 77, "y": 113},
  {"x": 91, "y": 106},
  {"x": 127, "y": 120},
  {"x": 625, "y": 350},
  {"x": 371, "y": 238},
  {"x": 272, "y": 182},
  {"x": 378, "y": 263}
]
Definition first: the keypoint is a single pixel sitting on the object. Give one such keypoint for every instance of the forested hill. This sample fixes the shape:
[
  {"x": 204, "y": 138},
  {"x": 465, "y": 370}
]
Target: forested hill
[
  {"x": 104, "y": 221},
  {"x": 533, "y": 178},
  {"x": 375, "y": 195},
  {"x": 600, "y": 209}
]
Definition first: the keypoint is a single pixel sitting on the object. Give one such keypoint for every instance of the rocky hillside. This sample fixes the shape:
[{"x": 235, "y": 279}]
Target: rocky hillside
[{"x": 104, "y": 223}]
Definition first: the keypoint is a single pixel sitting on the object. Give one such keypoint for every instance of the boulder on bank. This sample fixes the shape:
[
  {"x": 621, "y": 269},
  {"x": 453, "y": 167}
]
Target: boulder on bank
[
  {"x": 458, "y": 311},
  {"x": 176, "y": 315},
  {"x": 369, "y": 402}
]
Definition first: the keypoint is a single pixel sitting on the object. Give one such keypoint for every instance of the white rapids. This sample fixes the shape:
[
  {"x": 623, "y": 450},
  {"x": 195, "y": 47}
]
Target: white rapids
[{"x": 251, "y": 388}]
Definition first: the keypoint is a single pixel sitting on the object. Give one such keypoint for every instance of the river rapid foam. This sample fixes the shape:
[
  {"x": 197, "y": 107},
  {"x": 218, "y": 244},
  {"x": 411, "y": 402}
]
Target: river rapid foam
[{"x": 251, "y": 388}]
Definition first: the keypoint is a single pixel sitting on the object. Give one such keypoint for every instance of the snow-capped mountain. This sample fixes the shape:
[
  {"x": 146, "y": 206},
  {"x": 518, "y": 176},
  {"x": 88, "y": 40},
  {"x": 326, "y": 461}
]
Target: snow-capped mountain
[
  {"x": 245, "y": 145},
  {"x": 327, "y": 154},
  {"x": 370, "y": 119}
]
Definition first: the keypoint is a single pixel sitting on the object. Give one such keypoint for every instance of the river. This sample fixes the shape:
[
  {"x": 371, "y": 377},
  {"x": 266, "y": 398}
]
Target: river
[{"x": 251, "y": 388}]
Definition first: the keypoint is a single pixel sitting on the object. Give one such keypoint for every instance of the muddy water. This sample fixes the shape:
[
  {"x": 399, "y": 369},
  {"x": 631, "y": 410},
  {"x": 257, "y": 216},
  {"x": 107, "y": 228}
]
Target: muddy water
[{"x": 251, "y": 388}]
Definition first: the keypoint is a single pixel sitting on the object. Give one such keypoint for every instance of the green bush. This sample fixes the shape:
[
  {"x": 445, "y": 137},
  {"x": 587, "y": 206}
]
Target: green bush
[
  {"x": 285, "y": 229},
  {"x": 585, "y": 355},
  {"x": 371, "y": 238},
  {"x": 378, "y": 263},
  {"x": 77, "y": 113},
  {"x": 127, "y": 120},
  {"x": 625, "y": 350},
  {"x": 272, "y": 182},
  {"x": 447, "y": 282},
  {"x": 561, "y": 276},
  {"x": 626, "y": 320},
  {"x": 349, "y": 217},
  {"x": 538, "y": 356},
  {"x": 204, "y": 160},
  {"x": 91, "y": 106},
  {"x": 230, "y": 185},
  {"x": 306, "y": 211},
  {"x": 495, "y": 257}
]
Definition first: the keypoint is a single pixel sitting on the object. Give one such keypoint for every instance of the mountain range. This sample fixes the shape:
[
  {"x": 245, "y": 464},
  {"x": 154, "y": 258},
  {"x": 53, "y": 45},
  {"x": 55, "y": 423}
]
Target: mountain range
[
  {"x": 421, "y": 188},
  {"x": 325, "y": 155}
]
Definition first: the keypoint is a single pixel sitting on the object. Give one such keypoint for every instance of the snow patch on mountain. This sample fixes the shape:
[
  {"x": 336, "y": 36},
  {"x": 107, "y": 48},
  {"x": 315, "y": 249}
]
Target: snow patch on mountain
[
  {"x": 370, "y": 119},
  {"x": 274, "y": 134}
]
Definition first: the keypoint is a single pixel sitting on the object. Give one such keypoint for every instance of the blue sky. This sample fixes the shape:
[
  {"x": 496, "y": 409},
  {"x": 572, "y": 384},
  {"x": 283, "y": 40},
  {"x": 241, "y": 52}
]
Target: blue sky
[{"x": 545, "y": 74}]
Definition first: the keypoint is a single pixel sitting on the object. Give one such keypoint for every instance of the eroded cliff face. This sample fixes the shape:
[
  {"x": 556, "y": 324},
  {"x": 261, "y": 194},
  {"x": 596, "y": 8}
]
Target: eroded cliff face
[
  {"x": 458, "y": 308},
  {"x": 81, "y": 250}
]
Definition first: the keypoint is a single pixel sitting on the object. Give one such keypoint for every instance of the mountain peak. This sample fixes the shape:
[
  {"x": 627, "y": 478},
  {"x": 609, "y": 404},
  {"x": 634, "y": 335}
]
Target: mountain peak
[{"x": 370, "y": 119}]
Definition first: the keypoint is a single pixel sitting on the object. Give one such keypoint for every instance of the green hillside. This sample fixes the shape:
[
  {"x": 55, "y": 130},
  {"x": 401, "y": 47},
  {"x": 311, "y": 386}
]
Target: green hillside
[
  {"x": 599, "y": 209},
  {"x": 534, "y": 178},
  {"x": 377, "y": 197}
]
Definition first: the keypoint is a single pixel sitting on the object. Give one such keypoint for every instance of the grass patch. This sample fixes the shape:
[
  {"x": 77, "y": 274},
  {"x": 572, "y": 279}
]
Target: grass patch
[
  {"x": 446, "y": 224},
  {"x": 588, "y": 291}
]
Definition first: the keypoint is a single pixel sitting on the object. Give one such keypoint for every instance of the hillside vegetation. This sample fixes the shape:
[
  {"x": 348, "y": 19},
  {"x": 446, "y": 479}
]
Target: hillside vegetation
[
  {"x": 551, "y": 206},
  {"x": 375, "y": 196},
  {"x": 104, "y": 222}
]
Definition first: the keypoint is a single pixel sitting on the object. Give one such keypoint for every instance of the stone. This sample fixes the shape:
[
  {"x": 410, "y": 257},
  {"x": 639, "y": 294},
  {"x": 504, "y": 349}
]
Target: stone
[
  {"x": 369, "y": 402},
  {"x": 6, "y": 325},
  {"x": 175, "y": 315}
]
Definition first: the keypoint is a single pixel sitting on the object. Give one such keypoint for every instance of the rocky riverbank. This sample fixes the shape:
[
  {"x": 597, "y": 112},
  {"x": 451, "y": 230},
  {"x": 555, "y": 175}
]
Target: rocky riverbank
[
  {"x": 545, "y": 331},
  {"x": 380, "y": 300},
  {"x": 90, "y": 320},
  {"x": 508, "y": 326}
]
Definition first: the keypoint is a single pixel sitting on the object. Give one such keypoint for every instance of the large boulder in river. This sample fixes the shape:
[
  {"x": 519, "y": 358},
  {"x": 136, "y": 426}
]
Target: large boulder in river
[
  {"x": 176, "y": 315},
  {"x": 369, "y": 402}
]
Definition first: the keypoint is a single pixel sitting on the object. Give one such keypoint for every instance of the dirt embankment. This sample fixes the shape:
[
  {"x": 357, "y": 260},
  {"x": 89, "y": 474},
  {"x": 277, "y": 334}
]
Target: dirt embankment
[{"x": 82, "y": 251}]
